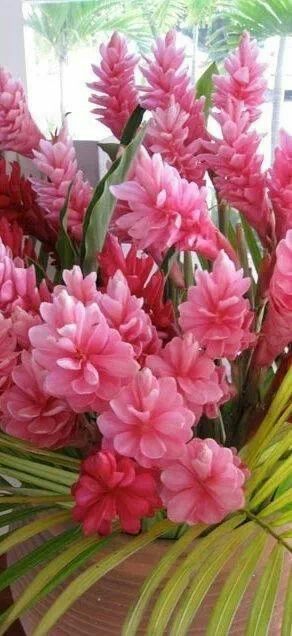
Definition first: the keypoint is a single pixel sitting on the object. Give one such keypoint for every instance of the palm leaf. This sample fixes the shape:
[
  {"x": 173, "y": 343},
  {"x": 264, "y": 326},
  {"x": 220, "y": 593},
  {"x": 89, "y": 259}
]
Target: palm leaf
[{"x": 180, "y": 581}]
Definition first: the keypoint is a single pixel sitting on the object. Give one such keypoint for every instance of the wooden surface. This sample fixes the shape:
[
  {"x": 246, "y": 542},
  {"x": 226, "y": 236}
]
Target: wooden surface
[{"x": 5, "y": 601}]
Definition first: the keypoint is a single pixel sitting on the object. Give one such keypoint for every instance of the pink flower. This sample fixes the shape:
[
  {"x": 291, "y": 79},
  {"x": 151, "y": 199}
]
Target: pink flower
[
  {"x": 115, "y": 95},
  {"x": 193, "y": 371},
  {"x": 12, "y": 236},
  {"x": 18, "y": 131},
  {"x": 277, "y": 327},
  {"x": 280, "y": 185},
  {"x": 22, "y": 321},
  {"x": 245, "y": 82},
  {"x": 56, "y": 159},
  {"x": 124, "y": 312},
  {"x": 137, "y": 270},
  {"x": 86, "y": 361},
  {"x": 112, "y": 487},
  {"x": 204, "y": 485},
  {"x": 216, "y": 312},
  {"x": 147, "y": 420},
  {"x": 165, "y": 210},
  {"x": 8, "y": 350},
  {"x": 237, "y": 167},
  {"x": 80, "y": 287},
  {"x": 30, "y": 414},
  {"x": 228, "y": 391}
]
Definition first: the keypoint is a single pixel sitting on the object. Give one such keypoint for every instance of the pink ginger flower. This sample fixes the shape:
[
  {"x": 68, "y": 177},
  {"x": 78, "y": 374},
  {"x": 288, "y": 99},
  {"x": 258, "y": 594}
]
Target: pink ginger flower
[
  {"x": 81, "y": 287},
  {"x": 244, "y": 82},
  {"x": 277, "y": 328},
  {"x": 29, "y": 413},
  {"x": 18, "y": 131},
  {"x": 147, "y": 420},
  {"x": 8, "y": 350},
  {"x": 216, "y": 312},
  {"x": 165, "y": 210},
  {"x": 22, "y": 321},
  {"x": 228, "y": 391},
  {"x": 280, "y": 185},
  {"x": 56, "y": 160},
  {"x": 193, "y": 371},
  {"x": 112, "y": 487},
  {"x": 115, "y": 95},
  {"x": 137, "y": 270},
  {"x": 204, "y": 485},
  {"x": 86, "y": 360},
  {"x": 124, "y": 312},
  {"x": 236, "y": 165}
]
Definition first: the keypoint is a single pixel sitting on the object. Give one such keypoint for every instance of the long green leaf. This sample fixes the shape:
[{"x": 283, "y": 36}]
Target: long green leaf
[
  {"x": 265, "y": 596},
  {"x": 287, "y": 618},
  {"x": 235, "y": 586},
  {"x": 271, "y": 485},
  {"x": 35, "y": 527},
  {"x": 132, "y": 125},
  {"x": 64, "y": 245},
  {"x": 58, "y": 475},
  {"x": 86, "y": 579},
  {"x": 206, "y": 575},
  {"x": 204, "y": 86},
  {"x": 100, "y": 217},
  {"x": 19, "y": 513},
  {"x": 252, "y": 243},
  {"x": 156, "y": 576}
]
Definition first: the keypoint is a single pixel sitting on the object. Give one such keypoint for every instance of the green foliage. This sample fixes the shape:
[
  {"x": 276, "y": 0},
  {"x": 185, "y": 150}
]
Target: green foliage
[
  {"x": 64, "y": 246},
  {"x": 235, "y": 549},
  {"x": 204, "y": 86}
]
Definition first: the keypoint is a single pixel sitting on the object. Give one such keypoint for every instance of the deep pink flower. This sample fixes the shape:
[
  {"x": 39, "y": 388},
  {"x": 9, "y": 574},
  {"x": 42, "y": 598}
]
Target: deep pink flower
[
  {"x": 244, "y": 82},
  {"x": 137, "y": 269},
  {"x": 18, "y": 131},
  {"x": 12, "y": 236},
  {"x": 165, "y": 210},
  {"x": 112, "y": 487},
  {"x": 193, "y": 371},
  {"x": 216, "y": 312},
  {"x": 277, "y": 327},
  {"x": 29, "y": 413},
  {"x": 56, "y": 160},
  {"x": 280, "y": 185},
  {"x": 228, "y": 391},
  {"x": 22, "y": 321},
  {"x": 115, "y": 95},
  {"x": 124, "y": 312},
  {"x": 81, "y": 287},
  {"x": 147, "y": 420},
  {"x": 8, "y": 350},
  {"x": 236, "y": 165},
  {"x": 204, "y": 485},
  {"x": 86, "y": 360}
]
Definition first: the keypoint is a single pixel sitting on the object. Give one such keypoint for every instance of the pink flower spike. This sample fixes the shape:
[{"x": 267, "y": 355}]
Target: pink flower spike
[
  {"x": 204, "y": 485},
  {"x": 112, "y": 487},
  {"x": 244, "y": 82},
  {"x": 87, "y": 362},
  {"x": 277, "y": 328},
  {"x": 8, "y": 350},
  {"x": 193, "y": 371},
  {"x": 216, "y": 312},
  {"x": 147, "y": 420},
  {"x": 124, "y": 312},
  {"x": 280, "y": 185},
  {"x": 18, "y": 131},
  {"x": 80, "y": 287},
  {"x": 114, "y": 93},
  {"x": 29, "y": 413}
]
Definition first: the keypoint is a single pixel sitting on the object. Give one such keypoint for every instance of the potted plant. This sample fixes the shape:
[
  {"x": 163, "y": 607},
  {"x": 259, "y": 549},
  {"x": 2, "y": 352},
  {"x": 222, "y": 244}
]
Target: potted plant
[{"x": 145, "y": 367}]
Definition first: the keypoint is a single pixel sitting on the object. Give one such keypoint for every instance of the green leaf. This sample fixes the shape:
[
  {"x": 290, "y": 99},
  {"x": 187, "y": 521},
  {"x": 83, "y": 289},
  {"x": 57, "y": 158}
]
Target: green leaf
[
  {"x": 93, "y": 573},
  {"x": 235, "y": 586},
  {"x": 111, "y": 149},
  {"x": 287, "y": 618},
  {"x": 64, "y": 245},
  {"x": 132, "y": 125},
  {"x": 271, "y": 485},
  {"x": 39, "y": 271},
  {"x": 31, "y": 529},
  {"x": 58, "y": 475},
  {"x": 156, "y": 576},
  {"x": 97, "y": 223},
  {"x": 204, "y": 86},
  {"x": 265, "y": 596},
  {"x": 42, "y": 553},
  {"x": 205, "y": 576},
  {"x": 19, "y": 513},
  {"x": 252, "y": 243}
]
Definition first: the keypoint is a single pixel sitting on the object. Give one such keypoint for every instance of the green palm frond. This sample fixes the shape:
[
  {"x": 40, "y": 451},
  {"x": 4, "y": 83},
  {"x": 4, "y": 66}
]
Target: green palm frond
[{"x": 252, "y": 541}]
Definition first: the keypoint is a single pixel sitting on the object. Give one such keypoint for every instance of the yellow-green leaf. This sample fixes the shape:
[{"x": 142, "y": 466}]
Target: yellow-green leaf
[
  {"x": 287, "y": 617},
  {"x": 35, "y": 527},
  {"x": 266, "y": 594}
]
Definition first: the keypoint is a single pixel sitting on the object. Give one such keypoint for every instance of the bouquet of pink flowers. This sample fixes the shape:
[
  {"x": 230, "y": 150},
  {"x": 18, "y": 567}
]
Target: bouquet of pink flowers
[{"x": 146, "y": 324}]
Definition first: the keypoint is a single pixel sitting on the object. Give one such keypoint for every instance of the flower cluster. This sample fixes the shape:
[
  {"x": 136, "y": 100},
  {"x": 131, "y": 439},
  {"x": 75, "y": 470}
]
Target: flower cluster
[{"x": 142, "y": 350}]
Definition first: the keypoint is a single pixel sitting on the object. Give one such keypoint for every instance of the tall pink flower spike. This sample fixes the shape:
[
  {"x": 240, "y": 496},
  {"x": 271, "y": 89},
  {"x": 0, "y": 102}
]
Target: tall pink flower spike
[
  {"x": 18, "y": 131},
  {"x": 277, "y": 328},
  {"x": 56, "y": 160},
  {"x": 280, "y": 185},
  {"x": 114, "y": 93},
  {"x": 216, "y": 312},
  {"x": 177, "y": 117}
]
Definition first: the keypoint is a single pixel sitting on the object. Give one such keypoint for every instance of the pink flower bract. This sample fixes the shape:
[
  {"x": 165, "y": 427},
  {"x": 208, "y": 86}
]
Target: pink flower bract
[
  {"x": 204, "y": 486},
  {"x": 112, "y": 487},
  {"x": 147, "y": 420},
  {"x": 216, "y": 312}
]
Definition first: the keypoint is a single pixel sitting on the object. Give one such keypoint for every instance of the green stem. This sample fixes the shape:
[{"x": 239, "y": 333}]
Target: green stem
[
  {"x": 188, "y": 269},
  {"x": 267, "y": 528}
]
